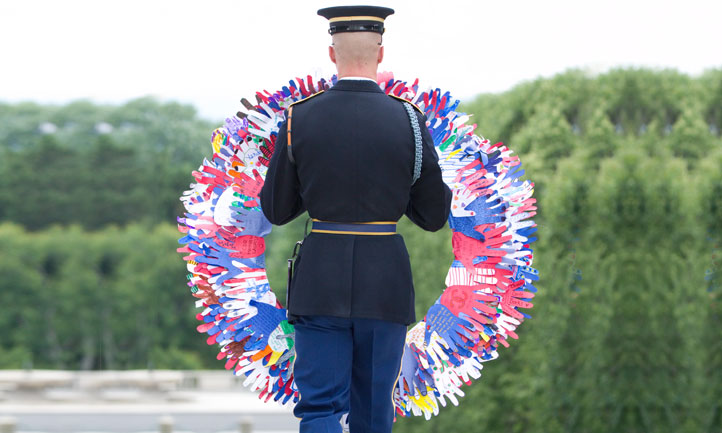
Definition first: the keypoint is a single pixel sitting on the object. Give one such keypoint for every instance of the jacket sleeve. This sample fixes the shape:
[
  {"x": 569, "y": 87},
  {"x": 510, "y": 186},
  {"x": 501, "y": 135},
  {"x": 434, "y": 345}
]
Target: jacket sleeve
[
  {"x": 430, "y": 199},
  {"x": 280, "y": 196}
]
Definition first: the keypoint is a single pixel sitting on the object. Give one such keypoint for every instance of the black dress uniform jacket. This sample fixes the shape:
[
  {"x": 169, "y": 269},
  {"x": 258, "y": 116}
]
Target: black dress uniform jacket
[{"x": 353, "y": 150}]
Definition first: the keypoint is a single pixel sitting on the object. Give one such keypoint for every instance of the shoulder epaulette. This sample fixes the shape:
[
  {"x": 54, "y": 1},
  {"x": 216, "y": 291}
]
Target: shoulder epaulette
[
  {"x": 306, "y": 98},
  {"x": 290, "y": 119},
  {"x": 404, "y": 100}
]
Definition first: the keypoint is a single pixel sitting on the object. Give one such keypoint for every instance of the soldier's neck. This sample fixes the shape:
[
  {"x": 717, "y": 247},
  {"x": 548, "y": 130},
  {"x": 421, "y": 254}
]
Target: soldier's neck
[{"x": 352, "y": 72}]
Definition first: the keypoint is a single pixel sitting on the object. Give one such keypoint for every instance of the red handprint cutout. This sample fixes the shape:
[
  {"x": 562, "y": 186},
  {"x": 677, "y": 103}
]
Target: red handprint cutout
[
  {"x": 466, "y": 249},
  {"x": 249, "y": 186},
  {"x": 465, "y": 299},
  {"x": 217, "y": 177},
  {"x": 475, "y": 182},
  {"x": 511, "y": 298}
]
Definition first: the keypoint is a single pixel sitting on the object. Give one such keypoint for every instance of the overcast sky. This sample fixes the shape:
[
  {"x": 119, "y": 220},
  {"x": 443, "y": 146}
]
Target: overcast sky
[{"x": 211, "y": 53}]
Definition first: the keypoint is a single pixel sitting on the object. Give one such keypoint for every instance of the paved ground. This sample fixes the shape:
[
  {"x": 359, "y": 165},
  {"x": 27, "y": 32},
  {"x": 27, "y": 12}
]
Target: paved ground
[
  {"x": 137, "y": 423},
  {"x": 206, "y": 412}
]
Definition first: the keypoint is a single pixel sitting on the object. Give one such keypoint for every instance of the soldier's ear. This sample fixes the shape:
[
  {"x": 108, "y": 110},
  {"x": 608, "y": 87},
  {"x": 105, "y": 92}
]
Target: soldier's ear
[
  {"x": 381, "y": 54},
  {"x": 332, "y": 54}
]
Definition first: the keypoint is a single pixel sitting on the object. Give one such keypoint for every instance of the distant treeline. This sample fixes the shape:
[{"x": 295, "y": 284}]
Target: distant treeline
[
  {"x": 626, "y": 334},
  {"x": 96, "y": 165}
]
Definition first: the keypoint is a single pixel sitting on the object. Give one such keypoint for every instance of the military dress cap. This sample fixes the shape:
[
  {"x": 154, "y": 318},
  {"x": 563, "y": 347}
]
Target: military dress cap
[{"x": 356, "y": 18}]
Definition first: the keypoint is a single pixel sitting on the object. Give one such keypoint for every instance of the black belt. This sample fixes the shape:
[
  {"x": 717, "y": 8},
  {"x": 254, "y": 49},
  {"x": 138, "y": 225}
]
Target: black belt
[{"x": 365, "y": 228}]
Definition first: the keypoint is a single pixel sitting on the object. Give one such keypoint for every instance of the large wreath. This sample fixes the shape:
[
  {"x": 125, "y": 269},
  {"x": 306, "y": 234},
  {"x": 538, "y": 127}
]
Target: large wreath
[{"x": 489, "y": 280}]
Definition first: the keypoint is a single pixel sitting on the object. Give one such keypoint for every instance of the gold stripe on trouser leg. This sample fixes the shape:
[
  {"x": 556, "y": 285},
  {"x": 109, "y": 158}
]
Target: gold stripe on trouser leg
[{"x": 401, "y": 364}]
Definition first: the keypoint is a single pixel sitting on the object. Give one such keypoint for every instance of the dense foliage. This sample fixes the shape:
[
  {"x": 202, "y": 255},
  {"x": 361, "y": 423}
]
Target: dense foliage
[
  {"x": 626, "y": 333},
  {"x": 96, "y": 165}
]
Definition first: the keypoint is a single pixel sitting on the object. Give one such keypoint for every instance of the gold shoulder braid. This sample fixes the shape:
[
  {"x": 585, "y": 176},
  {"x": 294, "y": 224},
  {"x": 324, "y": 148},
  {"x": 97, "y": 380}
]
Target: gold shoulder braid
[
  {"x": 290, "y": 117},
  {"x": 404, "y": 100}
]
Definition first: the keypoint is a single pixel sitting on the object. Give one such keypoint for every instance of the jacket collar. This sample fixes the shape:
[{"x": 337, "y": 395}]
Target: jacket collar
[{"x": 357, "y": 86}]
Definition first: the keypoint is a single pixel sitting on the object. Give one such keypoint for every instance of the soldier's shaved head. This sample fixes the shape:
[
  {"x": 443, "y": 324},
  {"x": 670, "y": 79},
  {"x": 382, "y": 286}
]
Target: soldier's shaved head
[{"x": 356, "y": 53}]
